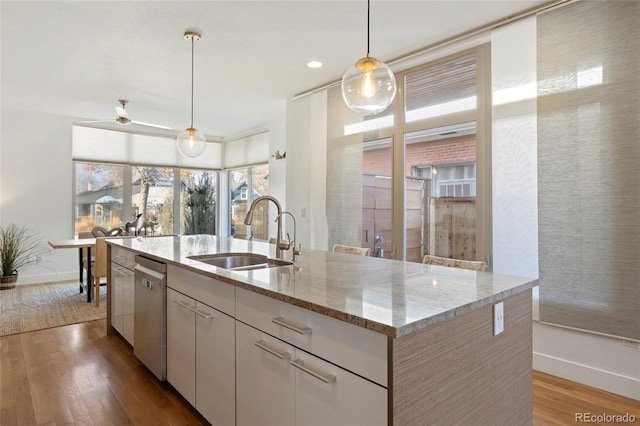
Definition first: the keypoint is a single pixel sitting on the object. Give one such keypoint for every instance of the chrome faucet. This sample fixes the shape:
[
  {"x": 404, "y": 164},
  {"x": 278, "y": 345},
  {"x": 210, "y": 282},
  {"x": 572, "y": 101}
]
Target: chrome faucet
[
  {"x": 249, "y": 219},
  {"x": 290, "y": 243}
]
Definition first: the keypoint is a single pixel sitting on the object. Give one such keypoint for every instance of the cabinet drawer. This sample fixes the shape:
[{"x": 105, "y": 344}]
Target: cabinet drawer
[
  {"x": 328, "y": 395},
  {"x": 123, "y": 257},
  {"x": 210, "y": 291},
  {"x": 354, "y": 348}
]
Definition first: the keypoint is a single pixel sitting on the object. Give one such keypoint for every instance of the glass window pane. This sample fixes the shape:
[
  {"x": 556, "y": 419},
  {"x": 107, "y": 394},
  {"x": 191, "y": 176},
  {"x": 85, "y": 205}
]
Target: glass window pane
[
  {"x": 238, "y": 182},
  {"x": 98, "y": 196},
  {"x": 441, "y": 89},
  {"x": 440, "y": 193},
  {"x": 245, "y": 186},
  {"x": 152, "y": 197},
  {"x": 377, "y": 159},
  {"x": 198, "y": 202},
  {"x": 260, "y": 223}
]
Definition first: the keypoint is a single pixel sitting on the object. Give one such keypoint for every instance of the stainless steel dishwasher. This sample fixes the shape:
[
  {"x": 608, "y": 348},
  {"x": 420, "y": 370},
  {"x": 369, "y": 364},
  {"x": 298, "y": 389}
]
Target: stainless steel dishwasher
[{"x": 150, "y": 315}]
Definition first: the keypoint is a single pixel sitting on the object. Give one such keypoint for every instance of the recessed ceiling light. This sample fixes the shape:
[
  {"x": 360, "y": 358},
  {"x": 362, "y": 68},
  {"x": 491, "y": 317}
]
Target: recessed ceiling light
[{"x": 314, "y": 64}]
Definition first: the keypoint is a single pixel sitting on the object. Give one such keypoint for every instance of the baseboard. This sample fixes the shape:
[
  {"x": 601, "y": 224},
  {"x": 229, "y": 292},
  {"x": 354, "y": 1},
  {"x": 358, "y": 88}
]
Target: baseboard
[
  {"x": 605, "y": 380},
  {"x": 46, "y": 278}
]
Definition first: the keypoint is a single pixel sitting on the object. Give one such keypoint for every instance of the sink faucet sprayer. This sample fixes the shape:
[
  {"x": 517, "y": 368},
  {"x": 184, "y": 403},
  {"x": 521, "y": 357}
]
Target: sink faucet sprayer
[
  {"x": 291, "y": 243},
  {"x": 279, "y": 244}
]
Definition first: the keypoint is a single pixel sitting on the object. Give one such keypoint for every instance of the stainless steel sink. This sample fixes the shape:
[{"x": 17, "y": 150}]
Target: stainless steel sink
[{"x": 239, "y": 261}]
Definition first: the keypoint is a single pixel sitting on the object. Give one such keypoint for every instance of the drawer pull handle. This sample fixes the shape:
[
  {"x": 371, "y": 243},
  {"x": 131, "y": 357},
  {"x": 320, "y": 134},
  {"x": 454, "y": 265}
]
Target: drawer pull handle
[
  {"x": 122, "y": 273},
  {"x": 183, "y": 303},
  {"x": 202, "y": 314},
  {"x": 281, "y": 322},
  {"x": 263, "y": 345},
  {"x": 299, "y": 364}
]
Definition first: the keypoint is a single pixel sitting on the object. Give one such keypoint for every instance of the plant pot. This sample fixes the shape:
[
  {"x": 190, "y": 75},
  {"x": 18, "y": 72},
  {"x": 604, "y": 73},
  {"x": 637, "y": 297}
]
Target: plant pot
[{"x": 8, "y": 281}]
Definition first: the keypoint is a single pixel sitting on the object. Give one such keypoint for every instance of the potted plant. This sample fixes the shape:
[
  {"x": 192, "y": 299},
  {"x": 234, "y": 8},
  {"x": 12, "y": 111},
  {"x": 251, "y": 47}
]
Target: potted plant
[{"x": 19, "y": 246}]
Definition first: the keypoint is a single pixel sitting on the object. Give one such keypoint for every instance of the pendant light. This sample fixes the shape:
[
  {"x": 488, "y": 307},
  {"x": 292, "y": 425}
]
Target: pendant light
[
  {"x": 191, "y": 142},
  {"x": 369, "y": 86}
]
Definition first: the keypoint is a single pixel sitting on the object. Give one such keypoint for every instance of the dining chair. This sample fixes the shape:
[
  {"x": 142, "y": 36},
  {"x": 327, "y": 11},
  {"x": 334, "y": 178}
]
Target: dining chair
[
  {"x": 99, "y": 268},
  {"x": 474, "y": 265},
  {"x": 361, "y": 251}
]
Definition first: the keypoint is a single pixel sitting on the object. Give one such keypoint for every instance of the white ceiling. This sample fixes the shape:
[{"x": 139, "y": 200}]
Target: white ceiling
[{"x": 77, "y": 58}]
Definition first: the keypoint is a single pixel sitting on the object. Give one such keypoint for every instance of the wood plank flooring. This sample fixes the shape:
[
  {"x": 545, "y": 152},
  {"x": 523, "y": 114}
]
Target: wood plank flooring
[
  {"x": 77, "y": 375},
  {"x": 557, "y": 401}
]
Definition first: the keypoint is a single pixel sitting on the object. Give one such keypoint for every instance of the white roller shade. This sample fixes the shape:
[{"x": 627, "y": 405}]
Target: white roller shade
[
  {"x": 246, "y": 151},
  {"x": 110, "y": 146},
  {"x": 589, "y": 166}
]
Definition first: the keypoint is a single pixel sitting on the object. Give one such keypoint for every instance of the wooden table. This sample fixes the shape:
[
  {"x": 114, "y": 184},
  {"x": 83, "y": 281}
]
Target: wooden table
[{"x": 79, "y": 243}]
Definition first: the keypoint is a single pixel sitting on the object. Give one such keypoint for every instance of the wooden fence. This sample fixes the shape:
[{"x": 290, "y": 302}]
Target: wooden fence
[{"x": 440, "y": 226}]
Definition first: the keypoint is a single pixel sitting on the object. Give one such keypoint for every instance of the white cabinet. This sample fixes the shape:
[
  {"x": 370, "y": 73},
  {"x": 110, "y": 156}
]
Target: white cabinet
[
  {"x": 201, "y": 356},
  {"x": 265, "y": 379},
  {"x": 353, "y": 348},
  {"x": 328, "y": 395},
  {"x": 279, "y": 384},
  {"x": 118, "y": 279},
  {"x": 245, "y": 359},
  {"x": 122, "y": 292},
  {"x": 181, "y": 344}
]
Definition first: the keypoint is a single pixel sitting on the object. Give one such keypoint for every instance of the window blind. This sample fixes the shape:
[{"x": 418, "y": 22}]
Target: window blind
[
  {"x": 442, "y": 84},
  {"x": 111, "y": 146},
  {"x": 248, "y": 150},
  {"x": 589, "y": 166}
]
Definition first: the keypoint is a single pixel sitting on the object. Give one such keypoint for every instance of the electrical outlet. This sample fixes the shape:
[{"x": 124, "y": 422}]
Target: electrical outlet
[{"x": 498, "y": 318}]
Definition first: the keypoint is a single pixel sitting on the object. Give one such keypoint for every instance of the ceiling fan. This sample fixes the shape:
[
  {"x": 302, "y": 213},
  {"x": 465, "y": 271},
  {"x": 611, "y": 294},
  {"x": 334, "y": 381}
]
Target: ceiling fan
[{"x": 124, "y": 119}]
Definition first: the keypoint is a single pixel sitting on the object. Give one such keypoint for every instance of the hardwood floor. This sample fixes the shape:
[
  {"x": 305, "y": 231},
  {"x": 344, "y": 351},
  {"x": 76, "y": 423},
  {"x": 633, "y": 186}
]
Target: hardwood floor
[
  {"x": 557, "y": 402},
  {"x": 78, "y": 375}
]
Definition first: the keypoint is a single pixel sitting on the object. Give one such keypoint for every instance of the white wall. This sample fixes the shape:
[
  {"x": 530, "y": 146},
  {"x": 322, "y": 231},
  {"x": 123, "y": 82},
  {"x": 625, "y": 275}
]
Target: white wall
[
  {"x": 599, "y": 361},
  {"x": 35, "y": 182},
  {"x": 278, "y": 168},
  {"x": 278, "y": 172},
  {"x": 307, "y": 168}
]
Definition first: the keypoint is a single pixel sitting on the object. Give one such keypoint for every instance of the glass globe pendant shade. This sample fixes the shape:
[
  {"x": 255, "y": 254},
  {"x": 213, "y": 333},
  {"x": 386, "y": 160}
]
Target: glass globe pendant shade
[
  {"x": 191, "y": 143},
  {"x": 369, "y": 86}
]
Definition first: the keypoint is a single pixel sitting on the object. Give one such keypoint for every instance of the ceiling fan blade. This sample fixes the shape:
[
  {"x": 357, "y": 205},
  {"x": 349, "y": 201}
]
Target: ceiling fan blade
[
  {"x": 157, "y": 126},
  {"x": 121, "y": 112},
  {"x": 97, "y": 121}
]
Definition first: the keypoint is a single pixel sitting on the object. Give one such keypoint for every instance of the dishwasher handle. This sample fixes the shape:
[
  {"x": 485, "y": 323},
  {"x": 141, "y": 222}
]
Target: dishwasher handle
[
  {"x": 143, "y": 270},
  {"x": 151, "y": 264}
]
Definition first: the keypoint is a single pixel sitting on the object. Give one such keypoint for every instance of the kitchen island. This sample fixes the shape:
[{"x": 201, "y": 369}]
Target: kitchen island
[{"x": 338, "y": 339}]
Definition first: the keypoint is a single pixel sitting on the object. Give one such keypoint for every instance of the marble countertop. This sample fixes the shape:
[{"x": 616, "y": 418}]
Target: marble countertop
[{"x": 387, "y": 296}]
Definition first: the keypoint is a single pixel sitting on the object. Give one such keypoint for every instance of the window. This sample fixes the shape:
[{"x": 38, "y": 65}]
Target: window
[
  {"x": 422, "y": 165},
  {"x": 440, "y": 151},
  {"x": 98, "y": 196},
  {"x": 455, "y": 180},
  {"x": 198, "y": 190},
  {"x": 112, "y": 195},
  {"x": 377, "y": 160},
  {"x": 245, "y": 185},
  {"x": 152, "y": 196}
]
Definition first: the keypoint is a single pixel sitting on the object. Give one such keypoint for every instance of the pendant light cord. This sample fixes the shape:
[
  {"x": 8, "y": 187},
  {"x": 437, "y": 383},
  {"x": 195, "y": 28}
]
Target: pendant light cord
[
  {"x": 192, "y": 44},
  {"x": 368, "y": 13}
]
